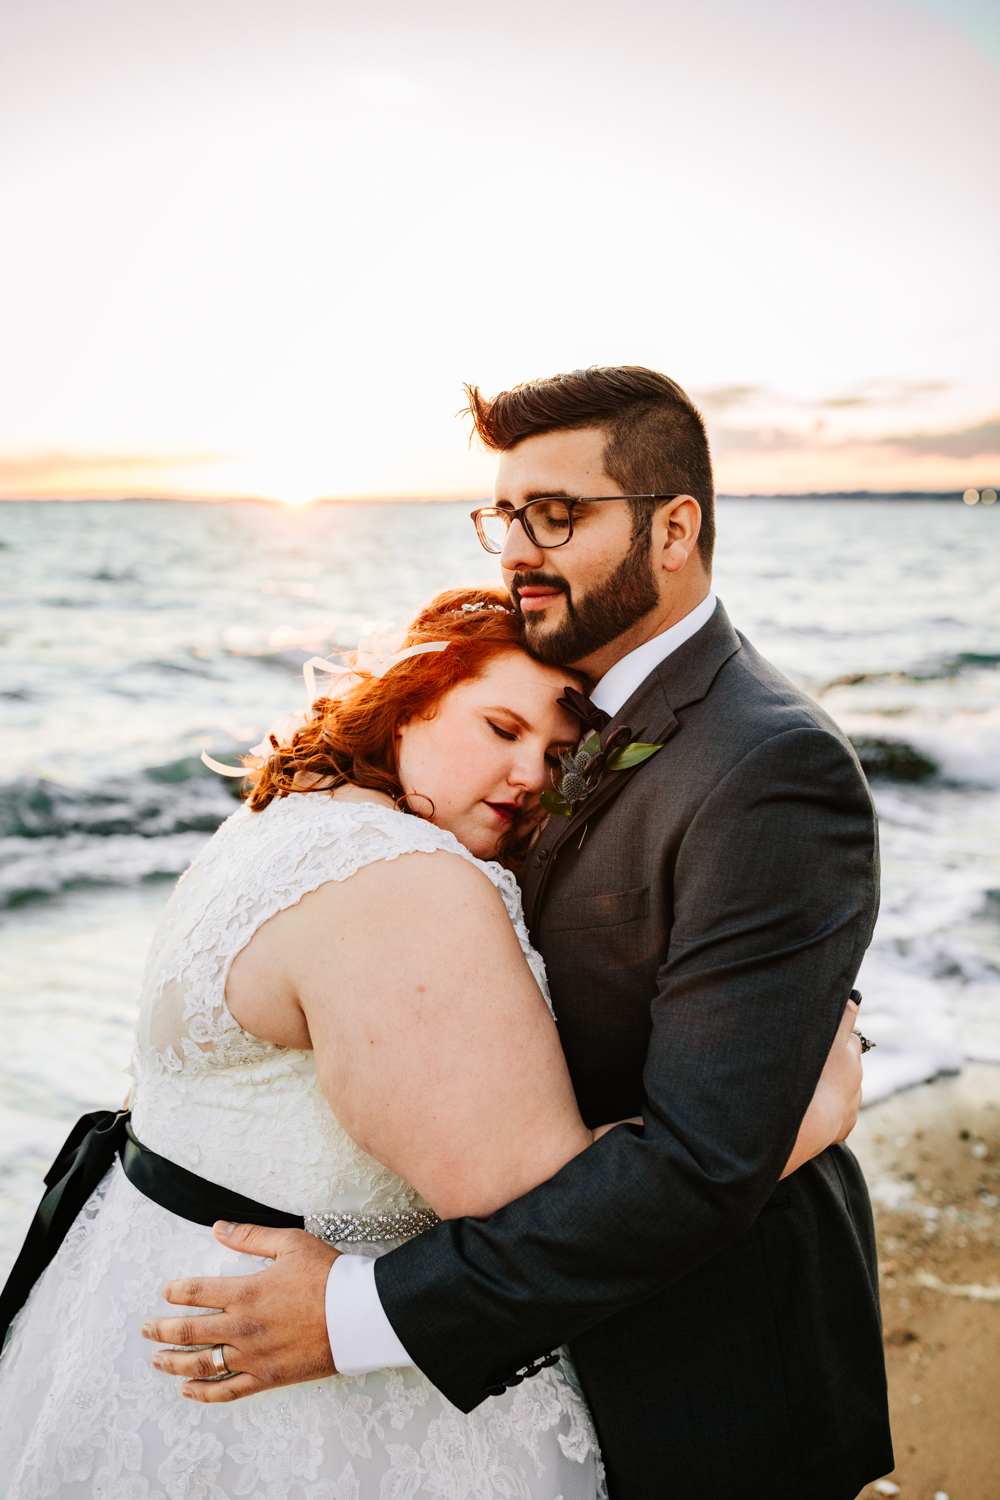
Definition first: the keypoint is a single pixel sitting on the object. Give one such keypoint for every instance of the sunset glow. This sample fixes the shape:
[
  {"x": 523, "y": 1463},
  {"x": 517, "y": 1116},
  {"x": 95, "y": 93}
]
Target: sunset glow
[{"x": 253, "y": 249}]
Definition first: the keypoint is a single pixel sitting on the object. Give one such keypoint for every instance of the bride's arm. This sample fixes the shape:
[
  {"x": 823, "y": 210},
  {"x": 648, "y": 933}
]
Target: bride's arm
[
  {"x": 833, "y": 1109},
  {"x": 432, "y": 1041}
]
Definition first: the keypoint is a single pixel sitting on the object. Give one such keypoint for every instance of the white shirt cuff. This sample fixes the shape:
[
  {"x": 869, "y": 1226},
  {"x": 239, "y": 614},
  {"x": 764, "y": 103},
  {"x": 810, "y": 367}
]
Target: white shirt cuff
[{"x": 361, "y": 1337}]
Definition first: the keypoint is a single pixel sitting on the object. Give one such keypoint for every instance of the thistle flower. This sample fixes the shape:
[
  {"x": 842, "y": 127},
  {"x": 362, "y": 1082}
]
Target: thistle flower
[
  {"x": 572, "y": 787},
  {"x": 584, "y": 770}
]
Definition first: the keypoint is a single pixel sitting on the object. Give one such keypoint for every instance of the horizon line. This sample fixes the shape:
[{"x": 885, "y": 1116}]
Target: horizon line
[
  {"x": 450, "y": 498},
  {"x": 453, "y": 497}
]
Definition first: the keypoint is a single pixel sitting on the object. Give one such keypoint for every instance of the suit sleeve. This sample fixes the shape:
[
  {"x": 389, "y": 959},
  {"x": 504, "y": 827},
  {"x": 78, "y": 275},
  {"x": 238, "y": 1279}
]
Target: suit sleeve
[{"x": 775, "y": 894}]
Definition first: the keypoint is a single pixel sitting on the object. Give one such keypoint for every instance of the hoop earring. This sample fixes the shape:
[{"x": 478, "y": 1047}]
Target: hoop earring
[{"x": 405, "y": 798}]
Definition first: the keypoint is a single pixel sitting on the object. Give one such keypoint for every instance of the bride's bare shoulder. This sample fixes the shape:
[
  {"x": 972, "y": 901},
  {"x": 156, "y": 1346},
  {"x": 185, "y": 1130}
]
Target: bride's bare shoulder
[{"x": 389, "y": 910}]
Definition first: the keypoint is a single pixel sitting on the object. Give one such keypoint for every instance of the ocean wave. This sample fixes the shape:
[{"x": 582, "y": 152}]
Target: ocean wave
[
  {"x": 45, "y": 866},
  {"x": 931, "y": 978},
  {"x": 909, "y": 725},
  {"x": 961, "y": 747},
  {"x": 141, "y": 827},
  {"x": 182, "y": 796},
  {"x": 938, "y": 669}
]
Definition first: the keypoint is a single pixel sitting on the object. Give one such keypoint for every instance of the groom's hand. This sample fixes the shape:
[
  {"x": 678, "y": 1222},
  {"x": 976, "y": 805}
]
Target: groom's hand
[{"x": 272, "y": 1325}]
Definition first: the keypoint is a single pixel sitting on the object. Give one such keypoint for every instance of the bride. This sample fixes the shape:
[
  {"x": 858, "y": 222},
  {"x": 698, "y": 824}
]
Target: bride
[{"x": 342, "y": 1018}]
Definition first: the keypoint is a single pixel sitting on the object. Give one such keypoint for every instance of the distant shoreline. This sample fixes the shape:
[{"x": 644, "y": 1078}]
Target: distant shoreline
[
  {"x": 854, "y": 495},
  {"x": 935, "y": 495}
]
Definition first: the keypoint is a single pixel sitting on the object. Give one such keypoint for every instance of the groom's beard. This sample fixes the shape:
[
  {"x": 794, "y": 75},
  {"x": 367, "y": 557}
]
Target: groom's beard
[{"x": 595, "y": 619}]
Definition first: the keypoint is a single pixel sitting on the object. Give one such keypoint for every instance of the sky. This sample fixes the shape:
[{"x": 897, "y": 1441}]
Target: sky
[{"x": 254, "y": 247}]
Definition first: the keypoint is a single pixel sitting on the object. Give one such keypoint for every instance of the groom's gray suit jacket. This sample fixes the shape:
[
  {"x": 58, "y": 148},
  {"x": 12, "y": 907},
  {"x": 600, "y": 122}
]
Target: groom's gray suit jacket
[{"x": 702, "y": 919}]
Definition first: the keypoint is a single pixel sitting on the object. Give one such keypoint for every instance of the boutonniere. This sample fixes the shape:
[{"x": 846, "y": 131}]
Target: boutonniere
[{"x": 583, "y": 770}]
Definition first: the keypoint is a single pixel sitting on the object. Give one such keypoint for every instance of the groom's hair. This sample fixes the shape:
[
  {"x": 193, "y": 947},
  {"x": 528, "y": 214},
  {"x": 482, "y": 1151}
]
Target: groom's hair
[{"x": 655, "y": 441}]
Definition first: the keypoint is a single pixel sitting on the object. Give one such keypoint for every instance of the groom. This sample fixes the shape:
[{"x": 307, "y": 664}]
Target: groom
[{"x": 702, "y": 918}]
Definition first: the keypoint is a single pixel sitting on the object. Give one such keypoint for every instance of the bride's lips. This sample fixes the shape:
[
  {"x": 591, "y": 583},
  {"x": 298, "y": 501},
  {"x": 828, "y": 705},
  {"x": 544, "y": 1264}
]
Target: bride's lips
[
  {"x": 507, "y": 811},
  {"x": 531, "y": 599}
]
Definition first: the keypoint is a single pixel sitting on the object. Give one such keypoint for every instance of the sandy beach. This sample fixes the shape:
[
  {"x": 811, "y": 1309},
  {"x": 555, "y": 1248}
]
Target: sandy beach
[{"x": 932, "y": 1159}]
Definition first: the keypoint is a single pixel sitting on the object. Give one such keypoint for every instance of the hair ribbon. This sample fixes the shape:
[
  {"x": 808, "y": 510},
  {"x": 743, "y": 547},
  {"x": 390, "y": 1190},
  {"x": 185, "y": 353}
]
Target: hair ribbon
[
  {"x": 377, "y": 667},
  {"x": 376, "y": 664}
]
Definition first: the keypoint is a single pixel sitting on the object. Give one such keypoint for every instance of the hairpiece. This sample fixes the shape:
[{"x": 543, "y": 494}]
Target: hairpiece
[{"x": 376, "y": 666}]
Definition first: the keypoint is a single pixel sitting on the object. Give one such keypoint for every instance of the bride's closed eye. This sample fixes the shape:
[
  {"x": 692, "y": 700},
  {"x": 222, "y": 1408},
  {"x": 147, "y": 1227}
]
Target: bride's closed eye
[
  {"x": 504, "y": 734},
  {"x": 551, "y": 756}
]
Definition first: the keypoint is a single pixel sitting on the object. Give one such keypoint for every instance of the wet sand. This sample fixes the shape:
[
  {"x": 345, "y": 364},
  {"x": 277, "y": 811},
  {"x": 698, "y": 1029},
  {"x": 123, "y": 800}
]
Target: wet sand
[{"x": 932, "y": 1159}]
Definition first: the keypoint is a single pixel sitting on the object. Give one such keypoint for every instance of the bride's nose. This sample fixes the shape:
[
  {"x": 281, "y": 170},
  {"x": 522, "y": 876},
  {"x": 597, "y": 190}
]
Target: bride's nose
[{"x": 530, "y": 771}]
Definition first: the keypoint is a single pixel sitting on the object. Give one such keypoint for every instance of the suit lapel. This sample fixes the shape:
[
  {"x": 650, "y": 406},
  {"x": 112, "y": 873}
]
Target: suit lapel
[
  {"x": 558, "y": 829},
  {"x": 684, "y": 677}
]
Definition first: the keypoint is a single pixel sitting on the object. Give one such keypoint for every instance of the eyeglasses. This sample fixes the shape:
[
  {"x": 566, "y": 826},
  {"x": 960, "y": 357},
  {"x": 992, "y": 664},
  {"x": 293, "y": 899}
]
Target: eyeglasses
[{"x": 547, "y": 521}]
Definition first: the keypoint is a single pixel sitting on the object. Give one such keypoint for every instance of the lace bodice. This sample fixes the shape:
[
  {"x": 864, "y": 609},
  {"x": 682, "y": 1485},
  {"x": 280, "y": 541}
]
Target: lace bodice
[
  {"x": 83, "y": 1415},
  {"x": 238, "y": 1110}
]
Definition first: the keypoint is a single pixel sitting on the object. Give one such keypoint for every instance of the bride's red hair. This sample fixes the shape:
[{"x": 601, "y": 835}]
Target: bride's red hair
[{"x": 352, "y": 737}]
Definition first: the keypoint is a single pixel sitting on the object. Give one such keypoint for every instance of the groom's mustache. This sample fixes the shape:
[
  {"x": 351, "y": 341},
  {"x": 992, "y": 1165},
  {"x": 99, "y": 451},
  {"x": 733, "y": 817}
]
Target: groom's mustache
[{"x": 539, "y": 581}]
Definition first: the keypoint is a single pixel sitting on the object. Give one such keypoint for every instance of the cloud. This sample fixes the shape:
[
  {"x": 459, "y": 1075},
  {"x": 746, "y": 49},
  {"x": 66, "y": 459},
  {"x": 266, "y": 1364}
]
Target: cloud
[
  {"x": 756, "y": 440},
  {"x": 887, "y": 393},
  {"x": 31, "y": 466},
  {"x": 722, "y": 397},
  {"x": 769, "y": 460},
  {"x": 972, "y": 442},
  {"x": 980, "y": 441},
  {"x": 869, "y": 393},
  {"x": 27, "y": 475}
]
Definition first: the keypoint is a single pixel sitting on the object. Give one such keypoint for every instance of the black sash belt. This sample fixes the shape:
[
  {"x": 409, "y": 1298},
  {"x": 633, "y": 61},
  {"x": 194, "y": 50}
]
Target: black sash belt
[
  {"x": 189, "y": 1196},
  {"x": 90, "y": 1149}
]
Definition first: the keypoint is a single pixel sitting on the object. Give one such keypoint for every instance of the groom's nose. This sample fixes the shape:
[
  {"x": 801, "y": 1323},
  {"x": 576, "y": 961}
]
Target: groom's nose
[{"x": 519, "y": 554}]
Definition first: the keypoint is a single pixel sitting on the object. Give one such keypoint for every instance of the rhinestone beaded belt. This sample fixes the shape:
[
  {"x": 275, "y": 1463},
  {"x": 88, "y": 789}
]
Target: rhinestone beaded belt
[{"x": 369, "y": 1229}]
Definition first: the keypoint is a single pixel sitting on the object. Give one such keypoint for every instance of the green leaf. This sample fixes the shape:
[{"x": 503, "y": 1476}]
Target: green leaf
[
  {"x": 591, "y": 745},
  {"x": 631, "y": 755},
  {"x": 553, "y": 803}
]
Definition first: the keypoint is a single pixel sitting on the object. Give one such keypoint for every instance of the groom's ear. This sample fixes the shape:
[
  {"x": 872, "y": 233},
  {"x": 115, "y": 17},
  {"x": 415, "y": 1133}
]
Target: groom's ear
[{"x": 675, "y": 530}]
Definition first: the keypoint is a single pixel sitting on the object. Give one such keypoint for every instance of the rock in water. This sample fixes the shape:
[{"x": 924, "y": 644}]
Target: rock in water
[{"x": 892, "y": 759}]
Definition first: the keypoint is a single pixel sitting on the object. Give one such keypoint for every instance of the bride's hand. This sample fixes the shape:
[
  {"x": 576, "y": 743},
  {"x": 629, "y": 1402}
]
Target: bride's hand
[{"x": 833, "y": 1112}]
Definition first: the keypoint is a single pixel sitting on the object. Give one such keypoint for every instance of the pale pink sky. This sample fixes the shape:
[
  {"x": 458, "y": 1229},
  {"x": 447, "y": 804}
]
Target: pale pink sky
[{"x": 254, "y": 246}]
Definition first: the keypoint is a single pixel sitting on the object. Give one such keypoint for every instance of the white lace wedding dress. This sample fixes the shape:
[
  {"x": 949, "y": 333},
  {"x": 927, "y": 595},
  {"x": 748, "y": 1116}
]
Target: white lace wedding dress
[{"x": 82, "y": 1412}]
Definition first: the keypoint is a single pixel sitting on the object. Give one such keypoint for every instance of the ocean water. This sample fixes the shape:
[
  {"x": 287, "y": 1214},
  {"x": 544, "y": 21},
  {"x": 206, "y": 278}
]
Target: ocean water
[{"x": 135, "y": 634}]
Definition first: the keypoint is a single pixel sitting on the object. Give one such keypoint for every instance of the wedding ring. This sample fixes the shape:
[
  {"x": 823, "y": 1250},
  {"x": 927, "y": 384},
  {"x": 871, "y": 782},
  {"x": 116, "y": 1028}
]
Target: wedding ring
[
  {"x": 866, "y": 1045},
  {"x": 219, "y": 1361}
]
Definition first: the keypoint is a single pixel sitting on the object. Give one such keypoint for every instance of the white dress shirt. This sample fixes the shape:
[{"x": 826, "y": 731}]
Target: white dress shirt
[
  {"x": 620, "y": 681},
  {"x": 361, "y": 1337}
]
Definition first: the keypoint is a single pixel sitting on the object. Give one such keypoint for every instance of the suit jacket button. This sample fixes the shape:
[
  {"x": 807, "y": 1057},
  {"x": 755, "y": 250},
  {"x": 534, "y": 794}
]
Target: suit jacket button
[
  {"x": 540, "y": 858},
  {"x": 514, "y": 1380},
  {"x": 495, "y": 1390}
]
